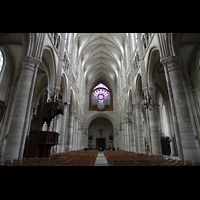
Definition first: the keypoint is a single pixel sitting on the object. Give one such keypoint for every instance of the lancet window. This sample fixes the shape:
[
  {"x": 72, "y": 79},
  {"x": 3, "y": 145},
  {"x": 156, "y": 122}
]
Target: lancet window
[{"x": 1, "y": 61}]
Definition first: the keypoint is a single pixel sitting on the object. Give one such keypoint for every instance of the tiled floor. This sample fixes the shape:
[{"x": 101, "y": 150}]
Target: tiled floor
[{"x": 101, "y": 160}]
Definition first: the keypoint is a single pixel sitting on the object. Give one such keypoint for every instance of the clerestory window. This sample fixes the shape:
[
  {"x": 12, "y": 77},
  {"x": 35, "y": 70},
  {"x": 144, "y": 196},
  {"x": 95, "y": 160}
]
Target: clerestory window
[
  {"x": 1, "y": 61},
  {"x": 199, "y": 62}
]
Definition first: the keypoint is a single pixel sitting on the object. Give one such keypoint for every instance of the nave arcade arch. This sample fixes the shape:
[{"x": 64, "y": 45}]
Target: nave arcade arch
[
  {"x": 100, "y": 133},
  {"x": 160, "y": 117}
]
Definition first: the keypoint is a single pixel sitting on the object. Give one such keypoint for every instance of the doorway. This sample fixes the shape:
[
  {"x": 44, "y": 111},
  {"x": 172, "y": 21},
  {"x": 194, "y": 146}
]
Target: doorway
[
  {"x": 101, "y": 142},
  {"x": 165, "y": 144}
]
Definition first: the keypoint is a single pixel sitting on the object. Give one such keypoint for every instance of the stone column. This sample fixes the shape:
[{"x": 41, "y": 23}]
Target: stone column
[
  {"x": 79, "y": 139},
  {"x": 63, "y": 129},
  {"x": 122, "y": 142},
  {"x": 67, "y": 128},
  {"x": 194, "y": 116},
  {"x": 6, "y": 124},
  {"x": 154, "y": 126},
  {"x": 71, "y": 130},
  {"x": 132, "y": 42},
  {"x": 21, "y": 105},
  {"x": 135, "y": 138},
  {"x": 75, "y": 134},
  {"x": 116, "y": 138},
  {"x": 60, "y": 62},
  {"x": 84, "y": 141},
  {"x": 181, "y": 116},
  {"x": 170, "y": 128},
  {"x": 126, "y": 134},
  {"x": 131, "y": 134},
  {"x": 148, "y": 137},
  {"x": 139, "y": 127},
  {"x": 173, "y": 112},
  {"x": 70, "y": 44}
]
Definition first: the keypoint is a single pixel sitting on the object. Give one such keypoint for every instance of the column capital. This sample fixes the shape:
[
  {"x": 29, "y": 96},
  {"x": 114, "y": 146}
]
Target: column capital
[
  {"x": 171, "y": 62},
  {"x": 149, "y": 88},
  {"x": 28, "y": 59},
  {"x": 30, "y": 62}
]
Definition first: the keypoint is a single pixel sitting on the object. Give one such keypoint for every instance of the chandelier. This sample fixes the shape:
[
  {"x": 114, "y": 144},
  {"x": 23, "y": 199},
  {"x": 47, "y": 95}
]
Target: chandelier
[
  {"x": 148, "y": 101},
  {"x": 128, "y": 119},
  {"x": 81, "y": 128},
  {"x": 120, "y": 127},
  {"x": 115, "y": 132}
]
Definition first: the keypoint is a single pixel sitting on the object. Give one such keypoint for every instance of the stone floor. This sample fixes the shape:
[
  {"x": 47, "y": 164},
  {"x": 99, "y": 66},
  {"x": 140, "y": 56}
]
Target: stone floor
[{"x": 101, "y": 160}]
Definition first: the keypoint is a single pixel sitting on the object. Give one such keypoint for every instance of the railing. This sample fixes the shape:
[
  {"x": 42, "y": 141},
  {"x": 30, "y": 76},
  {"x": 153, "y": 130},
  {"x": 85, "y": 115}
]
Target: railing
[{"x": 47, "y": 137}]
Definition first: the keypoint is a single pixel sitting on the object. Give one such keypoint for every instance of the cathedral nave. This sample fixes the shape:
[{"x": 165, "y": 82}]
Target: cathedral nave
[{"x": 132, "y": 92}]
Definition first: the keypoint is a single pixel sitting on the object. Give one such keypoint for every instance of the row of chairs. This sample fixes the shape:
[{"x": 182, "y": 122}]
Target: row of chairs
[
  {"x": 127, "y": 158},
  {"x": 72, "y": 158}
]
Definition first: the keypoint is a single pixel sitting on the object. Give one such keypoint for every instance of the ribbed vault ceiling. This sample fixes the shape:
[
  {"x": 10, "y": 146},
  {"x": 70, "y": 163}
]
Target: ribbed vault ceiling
[{"x": 101, "y": 53}]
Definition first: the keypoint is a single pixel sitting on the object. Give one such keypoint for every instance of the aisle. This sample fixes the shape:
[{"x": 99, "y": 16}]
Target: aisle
[{"x": 101, "y": 160}]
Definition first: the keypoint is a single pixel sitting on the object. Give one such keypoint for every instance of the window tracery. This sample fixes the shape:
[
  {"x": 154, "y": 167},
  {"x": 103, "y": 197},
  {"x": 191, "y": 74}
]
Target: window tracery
[{"x": 101, "y": 96}]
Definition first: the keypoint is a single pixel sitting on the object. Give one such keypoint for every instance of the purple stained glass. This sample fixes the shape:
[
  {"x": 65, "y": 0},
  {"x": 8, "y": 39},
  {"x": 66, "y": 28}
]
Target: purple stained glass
[
  {"x": 101, "y": 97},
  {"x": 100, "y": 86},
  {"x": 1, "y": 60},
  {"x": 101, "y": 92}
]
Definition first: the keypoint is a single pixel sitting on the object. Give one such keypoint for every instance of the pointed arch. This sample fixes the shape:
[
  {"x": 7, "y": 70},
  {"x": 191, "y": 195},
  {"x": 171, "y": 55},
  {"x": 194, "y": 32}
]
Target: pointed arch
[
  {"x": 130, "y": 101},
  {"x": 100, "y": 115},
  {"x": 48, "y": 60},
  {"x": 138, "y": 88},
  {"x": 151, "y": 67},
  {"x": 64, "y": 87}
]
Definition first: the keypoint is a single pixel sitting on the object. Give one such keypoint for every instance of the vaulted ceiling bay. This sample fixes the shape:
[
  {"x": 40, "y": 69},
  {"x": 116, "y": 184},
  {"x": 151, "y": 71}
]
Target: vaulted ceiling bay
[{"x": 100, "y": 55}]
